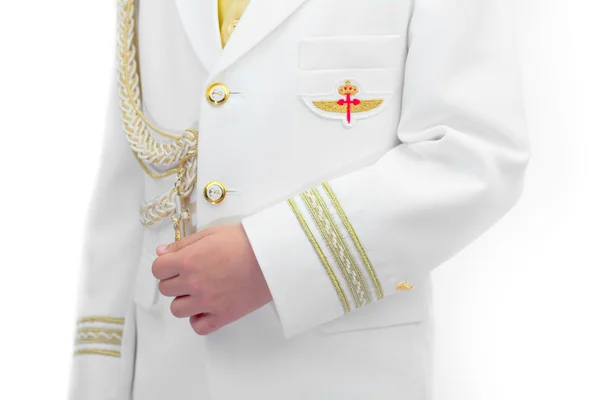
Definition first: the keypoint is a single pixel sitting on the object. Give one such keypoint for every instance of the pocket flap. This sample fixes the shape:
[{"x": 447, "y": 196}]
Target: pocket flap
[{"x": 351, "y": 52}]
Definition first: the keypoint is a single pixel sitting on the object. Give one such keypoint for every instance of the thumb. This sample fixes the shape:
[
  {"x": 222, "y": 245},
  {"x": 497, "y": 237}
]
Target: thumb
[{"x": 184, "y": 242}]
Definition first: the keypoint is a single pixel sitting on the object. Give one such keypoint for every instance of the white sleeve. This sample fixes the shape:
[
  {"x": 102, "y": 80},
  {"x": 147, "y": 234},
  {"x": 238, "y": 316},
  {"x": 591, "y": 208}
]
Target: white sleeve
[
  {"x": 459, "y": 168},
  {"x": 112, "y": 244}
]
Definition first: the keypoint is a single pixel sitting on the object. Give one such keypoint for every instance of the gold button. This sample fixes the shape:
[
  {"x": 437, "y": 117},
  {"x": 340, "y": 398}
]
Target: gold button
[
  {"x": 214, "y": 192},
  {"x": 217, "y": 94},
  {"x": 232, "y": 26}
]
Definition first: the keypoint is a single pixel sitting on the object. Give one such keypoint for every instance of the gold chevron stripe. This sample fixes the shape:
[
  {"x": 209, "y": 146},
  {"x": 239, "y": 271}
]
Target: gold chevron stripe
[
  {"x": 355, "y": 238},
  {"x": 99, "y": 340},
  {"x": 101, "y": 352},
  {"x": 320, "y": 254},
  {"x": 100, "y": 330},
  {"x": 109, "y": 320}
]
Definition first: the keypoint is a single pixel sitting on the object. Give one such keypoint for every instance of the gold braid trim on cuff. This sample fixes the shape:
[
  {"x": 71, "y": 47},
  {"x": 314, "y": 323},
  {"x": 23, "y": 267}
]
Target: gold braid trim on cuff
[
  {"x": 320, "y": 254},
  {"x": 100, "y": 352},
  {"x": 95, "y": 318},
  {"x": 93, "y": 335},
  {"x": 338, "y": 206}
]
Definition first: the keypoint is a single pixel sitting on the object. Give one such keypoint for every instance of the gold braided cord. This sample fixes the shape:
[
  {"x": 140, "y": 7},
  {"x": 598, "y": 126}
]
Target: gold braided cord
[
  {"x": 164, "y": 206},
  {"x": 127, "y": 53},
  {"x": 176, "y": 155}
]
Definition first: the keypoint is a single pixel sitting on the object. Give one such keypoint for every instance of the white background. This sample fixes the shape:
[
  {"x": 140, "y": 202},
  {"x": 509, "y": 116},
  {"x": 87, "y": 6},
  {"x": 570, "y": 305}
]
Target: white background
[{"x": 517, "y": 312}]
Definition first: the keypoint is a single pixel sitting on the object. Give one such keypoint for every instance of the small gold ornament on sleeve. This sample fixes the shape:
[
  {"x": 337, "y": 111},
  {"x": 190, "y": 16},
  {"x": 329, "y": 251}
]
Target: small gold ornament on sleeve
[{"x": 404, "y": 286}]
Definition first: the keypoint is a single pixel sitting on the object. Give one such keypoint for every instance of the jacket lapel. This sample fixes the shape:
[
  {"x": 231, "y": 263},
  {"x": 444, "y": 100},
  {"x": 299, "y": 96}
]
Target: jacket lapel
[
  {"x": 201, "y": 23},
  {"x": 260, "y": 18}
]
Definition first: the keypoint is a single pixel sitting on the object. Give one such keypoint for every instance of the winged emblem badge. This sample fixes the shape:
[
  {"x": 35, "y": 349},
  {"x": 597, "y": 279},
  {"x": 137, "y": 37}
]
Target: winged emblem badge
[{"x": 353, "y": 104}]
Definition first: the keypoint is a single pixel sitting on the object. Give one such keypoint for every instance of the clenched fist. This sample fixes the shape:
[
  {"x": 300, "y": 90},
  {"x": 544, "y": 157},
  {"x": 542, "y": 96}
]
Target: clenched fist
[{"x": 214, "y": 277}]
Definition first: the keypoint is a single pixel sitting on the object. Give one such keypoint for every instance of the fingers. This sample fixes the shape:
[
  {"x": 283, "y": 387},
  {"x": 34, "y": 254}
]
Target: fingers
[
  {"x": 173, "y": 287},
  {"x": 205, "y": 323},
  {"x": 186, "y": 306},
  {"x": 186, "y": 261},
  {"x": 184, "y": 242},
  {"x": 167, "y": 266},
  {"x": 182, "y": 285}
]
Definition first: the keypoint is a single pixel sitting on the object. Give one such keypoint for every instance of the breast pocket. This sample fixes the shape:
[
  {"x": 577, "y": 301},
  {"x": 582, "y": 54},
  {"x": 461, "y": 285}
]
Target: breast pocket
[{"x": 352, "y": 78}]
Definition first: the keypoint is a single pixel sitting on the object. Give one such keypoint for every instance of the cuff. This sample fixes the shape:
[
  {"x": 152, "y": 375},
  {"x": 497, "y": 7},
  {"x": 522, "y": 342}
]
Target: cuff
[
  {"x": 96, "y": 366},
  {"x": 312, "y": 260}
]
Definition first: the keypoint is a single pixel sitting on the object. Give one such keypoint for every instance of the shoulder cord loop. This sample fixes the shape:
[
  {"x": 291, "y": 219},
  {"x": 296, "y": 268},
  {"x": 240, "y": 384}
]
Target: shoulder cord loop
[{"x": 178, "y": 155}]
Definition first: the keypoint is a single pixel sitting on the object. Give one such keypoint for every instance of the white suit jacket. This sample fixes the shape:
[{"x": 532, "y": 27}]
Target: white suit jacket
[{"x": 363, "y": 143}]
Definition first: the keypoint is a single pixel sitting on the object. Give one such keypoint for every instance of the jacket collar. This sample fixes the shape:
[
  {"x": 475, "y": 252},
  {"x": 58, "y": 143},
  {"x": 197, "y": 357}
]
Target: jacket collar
[{"x": 200, "y": 22}]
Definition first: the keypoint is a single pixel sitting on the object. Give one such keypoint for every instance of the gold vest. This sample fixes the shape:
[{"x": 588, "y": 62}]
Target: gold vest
[{"x": 230, "y": 11}]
